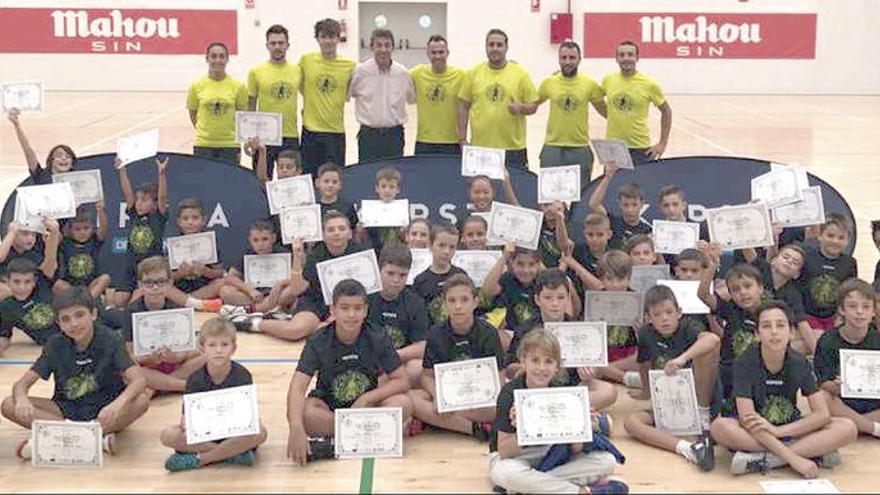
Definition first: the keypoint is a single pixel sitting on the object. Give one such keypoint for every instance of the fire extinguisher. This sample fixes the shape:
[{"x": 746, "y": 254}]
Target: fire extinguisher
[{"x": 343, "y": 31}]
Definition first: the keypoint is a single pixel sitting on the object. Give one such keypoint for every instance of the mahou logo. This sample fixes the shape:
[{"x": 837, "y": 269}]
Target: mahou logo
[
  {"x": 664, "y": 29},
  {"x": 76, "y": 23}
]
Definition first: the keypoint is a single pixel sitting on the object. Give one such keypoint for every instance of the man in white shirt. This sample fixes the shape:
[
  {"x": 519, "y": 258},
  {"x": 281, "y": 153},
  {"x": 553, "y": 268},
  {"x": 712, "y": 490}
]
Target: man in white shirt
[{"x": 381, "y": 88}]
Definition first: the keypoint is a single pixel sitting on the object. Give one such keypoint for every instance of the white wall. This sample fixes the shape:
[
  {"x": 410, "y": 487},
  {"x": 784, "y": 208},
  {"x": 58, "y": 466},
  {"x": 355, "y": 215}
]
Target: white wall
[{"x": 847, "y": 56}]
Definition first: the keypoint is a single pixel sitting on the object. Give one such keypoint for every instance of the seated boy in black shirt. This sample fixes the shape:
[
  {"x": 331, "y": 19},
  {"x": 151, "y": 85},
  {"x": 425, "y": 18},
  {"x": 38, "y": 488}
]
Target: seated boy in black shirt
[
  {"x": 29, "y": 307},
  {"x": 429, "y": 283},
  {"x": 20, "y": 243},
  {"x": 262, "y": 240},
  {"x": 78, "y": 253}
]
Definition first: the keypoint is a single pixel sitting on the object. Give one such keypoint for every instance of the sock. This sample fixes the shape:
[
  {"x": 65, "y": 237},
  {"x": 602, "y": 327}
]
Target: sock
[
  {"x": 632, "y": 379},
  {"x": 876, "y": 432},
  {"x": 255, "y": 324},
  {"x": 683, "y": 447},
  {"x": 705, "y": 418},
  {"x": 193, "y": 303}
]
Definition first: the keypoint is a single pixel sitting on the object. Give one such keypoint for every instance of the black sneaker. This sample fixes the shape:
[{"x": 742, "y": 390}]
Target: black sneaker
[
  {"x": 482, "y": 431},
  {"x": 244, "y": 322},
  {"x": 704, "y": 452},
  {"x": 321, "y": 448}
]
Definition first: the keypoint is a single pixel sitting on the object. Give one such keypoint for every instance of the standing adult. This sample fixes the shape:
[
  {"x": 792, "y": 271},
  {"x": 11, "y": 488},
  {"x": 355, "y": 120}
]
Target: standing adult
[
  {"x": 273, "y": 87},
  {"x": 437, "y": 85},
  {"x": 324, "y": 85},
  {"x": 629, "y": 94},
  {"x": 567, "y": 141},
  {"x": 212, "y": 101},
  {"x": 495, "y": 96},
  {"x": 381, "y": 88}
]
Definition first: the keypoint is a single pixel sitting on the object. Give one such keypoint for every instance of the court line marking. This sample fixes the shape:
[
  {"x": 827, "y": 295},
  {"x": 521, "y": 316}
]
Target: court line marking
[
  {"x": 704, "y": 140},
  {"x": 746, "y": 109},
  {"x": 130, "y": 128},
  {"x": 366, "y": 476}
]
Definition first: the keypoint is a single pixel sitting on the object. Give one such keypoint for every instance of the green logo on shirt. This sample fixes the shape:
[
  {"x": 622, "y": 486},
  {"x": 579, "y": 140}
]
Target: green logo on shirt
[
  {"x": 568, "y": 102},
  {"x": 742, "y": 340},
  {"x": 281, "y": 91},
  {"x": 495, "y": 93},
  {"x": 217, "y": 108},
  {"x": 80, "y": 266},
  {"x": 779, "y": 410},
  {"x": 436, "y": 93},
  {"x": 618, "y": 336},
  {"x": 79, "y": 386},
  {"x": 140, "y": 239},
  {"x": 823, "y": 290},
  {"x": 398, "y": 339},
  {"x": 326, "y": 83},
  {"x": 39, "y": 316},
  {"x": 348, "y": 386},
  {"x": 522, "y": 311},
  {"x": 622, "y": 102},
  {"x": 436, "y": 309}
]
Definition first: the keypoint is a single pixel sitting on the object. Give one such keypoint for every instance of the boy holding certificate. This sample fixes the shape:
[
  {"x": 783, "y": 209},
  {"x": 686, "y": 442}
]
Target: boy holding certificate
[
  {"x": 328, "y": 182},
  {"x": 262, "y": 240},
  {"x": 769, "y": 430},
  {"x": 855, "y": 304},
  {"x": 387, "y": 187},
  {"x": 28, "y": 307},
  {"x": 356, "y": 366},
  {"x": 20, "y": 243},
  {"x": 429, "y": 283},
  {"x": 95, "y": 380},
  {"x": 78, "y": 253},
  {"x": 218, "y": 371},
  {"x": 630, "y": 200},
  {"x": 512, "y": 281},
  {"x": 583, "y": 262},
  {"x": 194, "y": 279},
  {"x": 781, "y": 279}
]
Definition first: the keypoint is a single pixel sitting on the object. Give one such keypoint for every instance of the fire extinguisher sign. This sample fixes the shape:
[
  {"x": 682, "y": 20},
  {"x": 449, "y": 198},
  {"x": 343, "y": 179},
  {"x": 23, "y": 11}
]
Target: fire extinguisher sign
[{"x": 536, "y": 5}]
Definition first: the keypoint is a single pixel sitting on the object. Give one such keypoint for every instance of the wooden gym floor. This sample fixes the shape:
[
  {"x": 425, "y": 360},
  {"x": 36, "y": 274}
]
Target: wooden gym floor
[{"x": 835, "y": 137}]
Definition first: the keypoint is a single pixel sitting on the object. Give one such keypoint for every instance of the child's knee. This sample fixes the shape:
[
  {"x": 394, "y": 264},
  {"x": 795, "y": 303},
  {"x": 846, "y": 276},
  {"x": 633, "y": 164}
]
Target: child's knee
[
  {"x": 846, "y": 428},
  {"x": 503, "y": 472},
  {"x": 635, "y": 422},
  {"x": 7, "y": 407},
  {"x": 170, "y": 436}
]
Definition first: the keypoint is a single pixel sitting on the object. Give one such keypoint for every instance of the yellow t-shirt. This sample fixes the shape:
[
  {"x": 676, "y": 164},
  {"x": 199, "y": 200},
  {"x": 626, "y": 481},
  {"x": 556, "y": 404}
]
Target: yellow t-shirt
[
  {"x": 216, "y": 103},
  {"x": 275, "y": 86},
  {"x": 569, "y": 108},
  {"x": 437, "y": 103},
  {"x": 324, "y": 87},
  {"x": 489, "y": 91},
  {"x": 627, "y": 99}
]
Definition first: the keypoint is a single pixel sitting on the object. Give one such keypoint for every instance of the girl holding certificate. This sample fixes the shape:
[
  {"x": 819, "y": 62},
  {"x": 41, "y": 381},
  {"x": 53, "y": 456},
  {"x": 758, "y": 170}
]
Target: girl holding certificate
[{"x": 61, "y": 157}]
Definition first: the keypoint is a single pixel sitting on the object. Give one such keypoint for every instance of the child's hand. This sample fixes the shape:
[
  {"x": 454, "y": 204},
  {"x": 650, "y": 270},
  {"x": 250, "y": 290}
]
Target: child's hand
[
  {"x": 509, "y": 250},
  {"x": 161, "y": 165},
  {"x": 755, "y": 423},
  {"x": 117, "y": 163},
  {"x": 673, "y": 365},
  {"x": 811, "y": 232},
  {"x": 512, "y": 415},
  {"x": 198, "y": 269},
  {"x": 184, "y": 269},
  {"x": 24, "y": 409},
  {"x": 611, "y": 169},
  {"x": 13, "y": 116},
  {"x": 586, "y": 373},
  {"x": 12, "y": 228},
  {"x": 777, "y": 231},
  {"x": 805, "y": 467},
  {"x": 99, "y": 206},
  {"x": 639, "y": 394},
  {"x": 51, "y": 225},
  {"x": 297, "y": 246},
  {"x": 298, "y": 447},
  {"x": 165, "y": 355}
]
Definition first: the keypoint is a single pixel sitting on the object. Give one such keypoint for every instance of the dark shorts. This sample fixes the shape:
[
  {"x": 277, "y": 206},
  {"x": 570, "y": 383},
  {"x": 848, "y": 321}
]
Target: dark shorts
[
  {"x": 318, "y": 148},
  {"x": 307, "y": 304},
  {"x": 82, "y": 411},
  {"x": 557, "y": 156},
  {"x": 517, "y": 159},
  {"x": 190, "y": 285},
  {"x": 376, "y": 143},
  {"x": 287, "y": 143},
  {"x": 323, "y": 397},
  {"x": 231, "y": 155},
  {"x": 862, "y": 406},
  {"x": 437, "y": 149},
  {"x": 639, "y": 155}
]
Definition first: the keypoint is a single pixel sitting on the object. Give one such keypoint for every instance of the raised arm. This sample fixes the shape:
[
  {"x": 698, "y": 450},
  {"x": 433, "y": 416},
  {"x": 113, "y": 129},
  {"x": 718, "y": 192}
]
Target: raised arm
[
  {"x": 29, "y": 155},
  {"x": 601, "y": 107},
  {"x": 6, "y": 243},
  {"x": 50, "y": 250},
  {"x": 597, "y": 197},
  {"x": 262, "y": 168},
  {"x": 162, "y": 196},
  {"x": 491, "y": 286},
  {"x": 507, "y": 188},
  {"x": 124, "y": 184},
  {"x": 101, "y": 219}
]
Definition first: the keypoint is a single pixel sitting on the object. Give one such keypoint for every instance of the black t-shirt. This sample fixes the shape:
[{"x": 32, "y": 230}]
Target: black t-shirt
[
  {"x": 622, "y": 231},
  {"x": 739, "y": 330},
  {"x": 145, "y": 233},
  {"x": 200, "y": 381},
  {"x": 821, "y": 278},
  {"x": 310, "y": 270},
  {"x": 404, "y": 319},
  {"x": 379, "y": 237},
  {"x": 519, "y": 300},
  {"x": 139, "y": 307},
  {"x": 774, "y": 394},
  {"x": 503, "y": 405},
  {"x": 444, "y": 345},
  {"x": 89, "y": 376},
  {"x": 78, "y": 263},
  {"x": 658, "y": 350},
  {"x": 34, "y": 254},
  {"x": 792, "y": 292},
  {"x": 827, "y": 358},
  {"x": 34, "y": 316},
  {"x": 588, "y": 260},
  {"x": 347, "y": 371},
  {"x": 429, "y": 286},
  {"x": 877, "y": 277},
  {"x": 277, "y": 248},
  {"x": 192, "y": 283},
  {"x": 340, "y": 206},
  {"x": 548, "y": 248}
]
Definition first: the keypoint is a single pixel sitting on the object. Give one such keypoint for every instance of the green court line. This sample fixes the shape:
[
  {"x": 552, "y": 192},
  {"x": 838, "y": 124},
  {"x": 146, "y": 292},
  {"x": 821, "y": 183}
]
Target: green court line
[{"x": 366, "y": 476}]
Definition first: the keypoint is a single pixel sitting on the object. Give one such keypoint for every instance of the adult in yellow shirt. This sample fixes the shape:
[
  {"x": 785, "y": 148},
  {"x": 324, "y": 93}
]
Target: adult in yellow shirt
[
  {"x": 628, "y": 95},
  {"x": 496, "y": 96},
  {"x": 567, "y": 141},
  {"x": 212, "y": 101},
  {"x": 273, "y": 87},
  {"x": 437, "y": 85},
  {"x": 324, "y": 87}
]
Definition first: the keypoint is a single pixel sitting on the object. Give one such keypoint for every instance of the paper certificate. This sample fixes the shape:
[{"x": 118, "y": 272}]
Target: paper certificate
[
  {"x": 674, "y": 237},
  {"x": 643, "y": 277},
  {"x": 559, "y": 184},
  {"x": 421, "y": 261},
  {"x": 777, "y": 187},
  {"x": 476, "y": 263},
  {"x": 133, "y": 148},
  {"x": 470, "y": 384},
  {"x": 361, "y": 266},
  {"x": 192, "y": 248},
  {"x": 171, "y": 328},
  {"x": 799, "y": 486},
  {"x": 612, "y": 152},
  {"x": 23, "y": 96},
  {"x": 583, "y": 343},
  {"x": 66, "y": 444},
  {"x": 686, "y": 294},
  {"x": 741, "y": 226},
  {"x": 265, "y": 270},
  {"x": 553, "y": 415},
  {"x": 368, "y": 432},
  {"x": 218, "y": 414},
  {"x": 263, "y": 125},
  {"x": 614, "y": 308},
  {"x": 513, "y": 223},
  {"x": 292, "y": 191},
  {"x": 303, "y": 222},
  {"x": 476, "y": 160},
  {"x": 32, "y": 203},
  {"x": 859, "y": 374},
  {"x": 810, "y": 210},
  {"x": 803, "y": 181},
  {"x": 378, "y": 213},
  {"x": 674, "y": 399},
  {"x": 86, "y": 184}
]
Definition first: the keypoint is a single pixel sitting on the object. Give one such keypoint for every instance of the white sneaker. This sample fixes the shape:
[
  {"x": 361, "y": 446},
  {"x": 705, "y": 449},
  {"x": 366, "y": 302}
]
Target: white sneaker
[
  {"x": 230, "y": 310},
  {"x": 109, "y": 443},
  {"x": 23, "y": 451},
  {"x": 632, "y": 379}
]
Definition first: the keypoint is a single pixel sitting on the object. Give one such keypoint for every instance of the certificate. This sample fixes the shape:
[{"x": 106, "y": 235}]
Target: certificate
[
  {"x": 192, "y": 248},
  {"x": 32, "y": 203},
  {"x": 302, "y": 222},
  {"x": 265, "y": 270},
  {"x": 263, "y": 125},
  {"x": 553, "y": 415},
  {"x": 674, "y": 400},
  {"x": 810, "y": 210},
  {"x": 292, "y": 191},
  {"x": 803, "y": 180},
  {"x": 368, "y": 432},
  {"x": 859, "y": 374},
  {"x": 612, "y": 152},
  {"x": 463, "y": 385},
  {"x": 378, "y": 213},
  {"x": 643, "y": 277},
  {"x": 613, "y": 307},
  {"x": 225, "y": 413},
  {"x": 514, "y": 223},
  {"x": 133, "y": 148},
  {"x": 777, "y": 187},
  {"x": 686, "y": 294},
  {"x": 559, "y": 184},
  {"x": 476, "y": 263},
  {"x": 583, "y": 343},
  {"x": 66, "y": 444},
  {"x": 674, "y": 237},
  {"x": 361, "y": 266},
  {"x": 476, "y": 160},
  {"x": 799, "y": 486},
  {"x": 421, "y": 261},
  {"x": 23, "y": 96},
  {"x": 741, "y": 226},
  {"x": 86, "y": 184},
  {"x": 171, "y": 328}
]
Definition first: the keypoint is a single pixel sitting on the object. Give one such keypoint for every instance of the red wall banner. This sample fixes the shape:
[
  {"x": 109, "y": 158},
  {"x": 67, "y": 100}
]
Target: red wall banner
[
  {"x": 696, "y": 35},
  {"x": 128, "y": 31}
]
